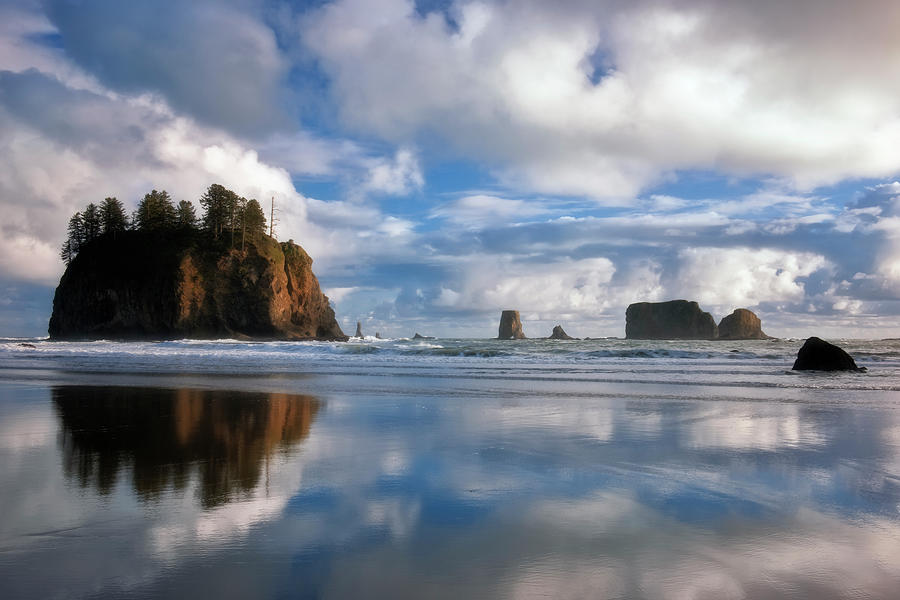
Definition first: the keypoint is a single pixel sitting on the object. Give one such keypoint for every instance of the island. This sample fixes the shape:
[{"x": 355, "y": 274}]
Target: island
[
  {"x": 510, "y": 326},
  {"x": 672, "y": 320},
  {"x": 164, "y": 274},
  {"x": 685, "y": 320}
]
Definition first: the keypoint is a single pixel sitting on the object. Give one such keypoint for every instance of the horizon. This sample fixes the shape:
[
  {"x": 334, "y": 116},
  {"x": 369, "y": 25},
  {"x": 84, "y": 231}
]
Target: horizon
[{"x": 449, "y": 159}]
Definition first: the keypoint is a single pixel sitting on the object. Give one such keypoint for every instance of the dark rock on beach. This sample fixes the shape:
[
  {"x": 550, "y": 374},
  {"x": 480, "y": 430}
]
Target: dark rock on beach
[
  {"x": 818, "y": 355},
  {"x": 510, "y": 326},
  {"x": 672, "y": 320},
  {"x": 559, "y": 334},
  {"x": 742, "y": 324},
  {"x": 147, "y": 285}
]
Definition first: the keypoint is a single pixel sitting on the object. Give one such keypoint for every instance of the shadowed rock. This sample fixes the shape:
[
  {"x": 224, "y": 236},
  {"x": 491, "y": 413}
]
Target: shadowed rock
[
  {"x": 742, "y": 324},
  {"x": 510, "y": 326},
  {"x": 818, "y": 355},
  {"x": 559, "y": 334},
  {"x": 418, "y": 336},
  {"x": 359, "y": 332},
  {"x": 672, "y": 320},
  {"x": 377, "y": 336}
]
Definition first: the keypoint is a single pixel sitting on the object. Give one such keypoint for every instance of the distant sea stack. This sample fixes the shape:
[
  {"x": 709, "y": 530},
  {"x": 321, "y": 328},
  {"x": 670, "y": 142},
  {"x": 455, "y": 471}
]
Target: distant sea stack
[
  {"x": 672, "y": 320},
  {"x": 559, "y": 334},
  {"x": 359, "y": 332},
  {"x": 818, "y": 355},
  {"x": 152, "y": 285},
  {"x": 510, "y": 326},
  {"x": 742, "y": 324}
]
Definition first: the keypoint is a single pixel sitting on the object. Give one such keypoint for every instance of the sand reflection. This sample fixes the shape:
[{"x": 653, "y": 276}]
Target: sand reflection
[{"x": 160, "y": 439}]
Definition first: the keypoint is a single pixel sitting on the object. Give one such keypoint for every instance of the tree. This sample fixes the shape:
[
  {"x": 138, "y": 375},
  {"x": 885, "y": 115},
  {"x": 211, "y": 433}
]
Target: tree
[
  {"x": 219, "y": 205},
  {"x": 253, "y": 220},
  {"x": 67, "y": 253},
  {"x": 92, "y": 223},
  {"x": 112, "y": 216},
  {"x": 185, "y": 216},
  {"x": 74, "y": 238},
  {"x": 155, "y": 211}
]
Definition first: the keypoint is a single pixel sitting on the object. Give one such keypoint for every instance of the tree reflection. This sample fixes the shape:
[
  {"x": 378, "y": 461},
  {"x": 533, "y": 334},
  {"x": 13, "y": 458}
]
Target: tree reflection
[{"x": 161, "y": 437}]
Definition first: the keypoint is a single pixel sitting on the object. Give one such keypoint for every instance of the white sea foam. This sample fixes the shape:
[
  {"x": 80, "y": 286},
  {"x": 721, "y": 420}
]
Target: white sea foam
[{"x": 750, "y": 364}]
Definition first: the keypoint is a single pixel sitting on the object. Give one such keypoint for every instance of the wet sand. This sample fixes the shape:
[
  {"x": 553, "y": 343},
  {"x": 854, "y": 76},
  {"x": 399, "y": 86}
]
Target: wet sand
[{"x": 336, "y": 486}]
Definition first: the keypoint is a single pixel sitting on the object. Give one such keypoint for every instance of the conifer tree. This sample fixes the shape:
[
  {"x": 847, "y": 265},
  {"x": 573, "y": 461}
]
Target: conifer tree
[
  {"x": 112, "y": 216},
  {"x": 92, "y": 223},
  {"x": 74, "y": 238},
  {"x": 185, "y": 216},
  {"x": 253, "y": 221},
  {"x": 219, "y": 206},
  {"x": 155, "y": 211}
]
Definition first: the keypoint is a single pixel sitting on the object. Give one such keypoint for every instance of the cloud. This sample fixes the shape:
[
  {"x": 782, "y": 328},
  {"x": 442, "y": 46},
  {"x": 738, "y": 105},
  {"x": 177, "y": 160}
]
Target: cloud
[
  {"x": 63, "y": 148},
  {"x": 399, "y": 177},
  {"x": 214, "y": 61},
  {"x": 553, "y": 288},
  {"x": 739, "y": 277},
  {"x": 785, "y": 93},
  {"x": 480, "y": 210}
]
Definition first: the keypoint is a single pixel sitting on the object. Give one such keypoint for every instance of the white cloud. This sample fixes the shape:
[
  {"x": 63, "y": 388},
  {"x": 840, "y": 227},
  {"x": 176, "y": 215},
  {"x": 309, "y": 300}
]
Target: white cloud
[
  {"x": 700, "y": 87},
  {"x": 567, "y": 286},
  {"x": 481, "y": 210},
  {"x": 741, "y": 277},
  {"x": 399, "y": 177}
]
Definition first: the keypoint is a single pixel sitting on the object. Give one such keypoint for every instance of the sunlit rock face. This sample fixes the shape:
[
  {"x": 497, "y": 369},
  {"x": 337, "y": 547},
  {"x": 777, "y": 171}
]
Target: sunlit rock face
[
  {"x": 164, "y": 439},
  {"x": 510, "y": 326},
  {"x": 179, "y": 285},
  {"x": 672, "y": 320},
  {"x": 742, "y": 324},
  {"x": 818, "y": 355}
]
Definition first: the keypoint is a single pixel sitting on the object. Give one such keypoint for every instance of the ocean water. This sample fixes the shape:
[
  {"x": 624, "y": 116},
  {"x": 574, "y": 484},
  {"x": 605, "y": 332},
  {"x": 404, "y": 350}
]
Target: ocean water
[{"x": 447, "y": 468}]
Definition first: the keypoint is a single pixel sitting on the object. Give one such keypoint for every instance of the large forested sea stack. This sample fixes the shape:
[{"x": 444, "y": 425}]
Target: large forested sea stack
[{"x": 163, "y": 279}]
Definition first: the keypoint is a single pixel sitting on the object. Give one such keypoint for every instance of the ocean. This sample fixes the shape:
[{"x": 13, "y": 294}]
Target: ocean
[{"x": 440, "y": 468}]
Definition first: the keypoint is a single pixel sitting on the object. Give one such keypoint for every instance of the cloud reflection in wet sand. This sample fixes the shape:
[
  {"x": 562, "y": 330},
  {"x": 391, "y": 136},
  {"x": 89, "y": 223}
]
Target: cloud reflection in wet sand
[{"x": 438, "y": 497}]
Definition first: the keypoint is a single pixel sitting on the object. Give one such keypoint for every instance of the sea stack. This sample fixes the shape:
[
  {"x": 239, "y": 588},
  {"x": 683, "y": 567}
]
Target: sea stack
[
  {"x": 742, "y": 324},
  {"x": 672, "y": 320},
  {"x": 559, "y": 334},
  {"x": 510, "y": 326},
  {"x": 147, "y": 285},
  {"x": 818, "y": 355},
  {"x": 359, "y": 332}
]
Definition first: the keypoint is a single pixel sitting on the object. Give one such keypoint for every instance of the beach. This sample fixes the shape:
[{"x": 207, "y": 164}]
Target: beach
[{"x": 447, "y": 468}]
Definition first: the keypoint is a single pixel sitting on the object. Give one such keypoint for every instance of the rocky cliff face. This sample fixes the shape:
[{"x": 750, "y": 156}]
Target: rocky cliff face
[
  {"x": 742, "y": 324},
  {"x": 510, "y": 326},
  {"x": 672, "y": 320},
  {"x": 144, "y": 285}
]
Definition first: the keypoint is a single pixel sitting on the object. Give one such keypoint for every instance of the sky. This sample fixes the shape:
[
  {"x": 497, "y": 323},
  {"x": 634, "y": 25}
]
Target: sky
[{"x": 444, "y": 160}]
